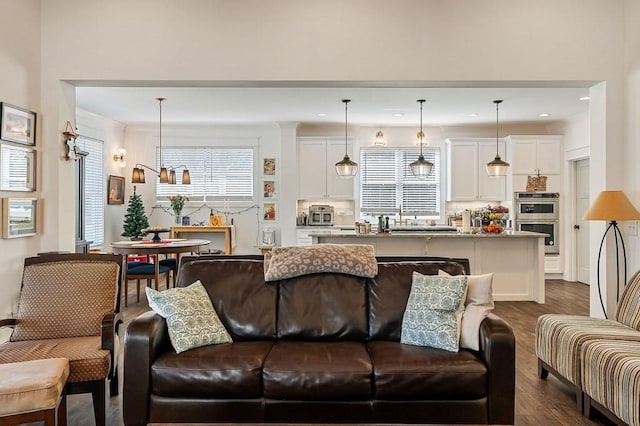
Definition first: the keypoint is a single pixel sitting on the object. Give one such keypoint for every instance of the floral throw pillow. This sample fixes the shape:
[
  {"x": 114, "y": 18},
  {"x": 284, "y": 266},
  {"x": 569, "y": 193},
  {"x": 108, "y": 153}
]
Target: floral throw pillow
[
  {"x": 191, "y": 319},
  {"x": 434, "y": 311}
]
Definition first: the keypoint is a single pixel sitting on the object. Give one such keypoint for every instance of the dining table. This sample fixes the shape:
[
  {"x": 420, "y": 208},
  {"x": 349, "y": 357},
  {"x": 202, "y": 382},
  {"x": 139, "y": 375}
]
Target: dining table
[{"x": 151, "y": 248}]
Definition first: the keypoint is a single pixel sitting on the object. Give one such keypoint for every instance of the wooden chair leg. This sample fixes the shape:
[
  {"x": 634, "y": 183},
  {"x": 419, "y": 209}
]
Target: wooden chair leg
[
  {"x": 62, "y": 409},
  {"x": 543, "y": 373},
  {"x": 113, "y": 384},
  {"x": 138, "y": 290},
  {"x": 126, "y": 291},
  {"x": 99, "y": 402}
]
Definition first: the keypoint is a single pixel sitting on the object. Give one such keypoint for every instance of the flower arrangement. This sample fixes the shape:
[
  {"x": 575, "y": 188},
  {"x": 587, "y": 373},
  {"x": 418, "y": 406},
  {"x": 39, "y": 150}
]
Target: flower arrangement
[{"x": 177, "y": 202}]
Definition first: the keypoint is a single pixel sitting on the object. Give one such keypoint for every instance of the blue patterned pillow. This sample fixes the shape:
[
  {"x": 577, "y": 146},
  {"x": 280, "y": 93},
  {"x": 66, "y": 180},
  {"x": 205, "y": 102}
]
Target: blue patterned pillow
[
  {"x": 434, "y": 311},
  {"x": 191, "y": 319}
]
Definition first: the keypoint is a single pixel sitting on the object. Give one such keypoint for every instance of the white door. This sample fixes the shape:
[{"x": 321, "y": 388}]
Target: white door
[{"x": 581, "y": 225}]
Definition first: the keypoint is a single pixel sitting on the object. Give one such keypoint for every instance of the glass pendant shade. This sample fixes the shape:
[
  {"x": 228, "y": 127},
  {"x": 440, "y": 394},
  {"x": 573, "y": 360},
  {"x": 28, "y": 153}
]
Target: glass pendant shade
[
  {"x": 138, "y": 175},
  {"x": 186, "y": 177},
  {"x": 346, "y": 167},
  {"x": 497, "y": 167},
  {"x": 164, "y": 176},
  {"x": 172, "y": 177},
  {"x": 421, "y": 168}
]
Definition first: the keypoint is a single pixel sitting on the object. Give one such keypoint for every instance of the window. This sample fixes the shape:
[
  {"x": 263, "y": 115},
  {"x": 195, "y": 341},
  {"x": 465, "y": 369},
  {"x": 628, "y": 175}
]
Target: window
[
  {"x": 94, "y": 191},
  {"x": 216, "y": 173},
  {"x": 386, "y": 182}
]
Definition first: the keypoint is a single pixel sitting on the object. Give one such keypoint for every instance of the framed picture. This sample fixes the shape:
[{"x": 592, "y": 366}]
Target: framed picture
[
  {"x": 269, "y": 213},
  {"x": 269, "y": 166},
  {"x": 17, "y": 168},
  {"x": 21, "y": 217},
  {"x": 115, "y": 190},
  {"x": 269, "y": 189},
  {"x": 17, "y": 124}
]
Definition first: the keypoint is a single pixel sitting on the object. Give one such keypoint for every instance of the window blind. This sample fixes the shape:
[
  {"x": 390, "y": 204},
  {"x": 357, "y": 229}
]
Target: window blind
[
  {"x": 94, "y": 190},
  {"x": 386, "y": 182},
  {"x": 216, "y": 173}
]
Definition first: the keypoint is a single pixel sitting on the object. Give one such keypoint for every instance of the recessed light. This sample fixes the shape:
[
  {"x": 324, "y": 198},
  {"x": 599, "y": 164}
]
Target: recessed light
[
  {"x": 473, "y": 114},
  {"x": 585, "y": 98},
  {"x": 322, "y": 114},
  {"x": 398, "y": 114},
  {"x": 544, "y": 114}
]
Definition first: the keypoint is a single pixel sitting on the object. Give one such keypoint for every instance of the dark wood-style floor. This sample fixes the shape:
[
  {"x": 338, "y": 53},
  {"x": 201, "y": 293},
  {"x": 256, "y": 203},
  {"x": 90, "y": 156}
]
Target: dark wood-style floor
[{"x": 538, "y": 402}]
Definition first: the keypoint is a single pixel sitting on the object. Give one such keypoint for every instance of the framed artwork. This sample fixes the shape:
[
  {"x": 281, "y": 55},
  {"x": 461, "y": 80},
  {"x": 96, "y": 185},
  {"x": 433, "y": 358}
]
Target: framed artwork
[
  {"x": 269, "y": 166},
  {"x": 21, "y": 217},
  {"x": 269, "y": 213},
  {"x": 269, "y": 189},
  {"x": 17, "y": 168},
  {"x": 17, "y": 124},
  {"x": 115, "y": 190}
]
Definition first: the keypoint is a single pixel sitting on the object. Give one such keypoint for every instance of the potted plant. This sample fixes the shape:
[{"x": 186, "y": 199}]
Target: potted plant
[
  {"x": 135, "y": 221},
  {"x": 177, "y": 203}
]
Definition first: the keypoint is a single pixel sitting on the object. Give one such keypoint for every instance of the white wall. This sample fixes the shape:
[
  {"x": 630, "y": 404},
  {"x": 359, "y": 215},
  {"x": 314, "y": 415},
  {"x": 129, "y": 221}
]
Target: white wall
[{"x": 456, "y": 43}]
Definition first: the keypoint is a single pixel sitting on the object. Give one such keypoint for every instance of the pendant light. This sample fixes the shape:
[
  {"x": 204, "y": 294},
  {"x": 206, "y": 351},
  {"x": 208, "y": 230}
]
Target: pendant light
[
  {"x": 166, "y": 176},
  {"x": 346, "y": 167},
  {"x": 421, "y": 168},
  {"x": 497, "y": 167}
]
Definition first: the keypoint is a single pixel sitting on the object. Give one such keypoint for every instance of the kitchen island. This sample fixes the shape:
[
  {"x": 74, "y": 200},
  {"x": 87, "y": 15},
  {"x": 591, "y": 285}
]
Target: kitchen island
[{"x": 515, "y": 258}]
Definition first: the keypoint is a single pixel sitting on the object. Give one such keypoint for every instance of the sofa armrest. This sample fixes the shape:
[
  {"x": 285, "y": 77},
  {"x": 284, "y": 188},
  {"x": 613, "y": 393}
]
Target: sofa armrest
[
  {"x": 145, "y": 339},
  {"x": 498, "y": 350},
  {"x": 7, "y": 322}
]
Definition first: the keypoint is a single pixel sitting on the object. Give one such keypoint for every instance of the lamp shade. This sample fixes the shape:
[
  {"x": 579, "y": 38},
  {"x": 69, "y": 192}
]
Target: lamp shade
[
  {"x": 497, "y": 167},
  {"x": 612, "y": 206},
  {"x": 186, "y": 177}
]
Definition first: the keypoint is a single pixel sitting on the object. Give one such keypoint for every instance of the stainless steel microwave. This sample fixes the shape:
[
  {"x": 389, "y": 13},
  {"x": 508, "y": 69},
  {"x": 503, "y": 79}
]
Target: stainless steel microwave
[
  {"x": 537, "y": 206},
  {"x": 321, "y": 215}
]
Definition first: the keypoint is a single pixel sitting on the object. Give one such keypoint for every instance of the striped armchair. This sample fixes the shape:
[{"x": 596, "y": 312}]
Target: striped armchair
[
  {"x": 69, "y": 306},
  {"x": 561, "y": 339}
]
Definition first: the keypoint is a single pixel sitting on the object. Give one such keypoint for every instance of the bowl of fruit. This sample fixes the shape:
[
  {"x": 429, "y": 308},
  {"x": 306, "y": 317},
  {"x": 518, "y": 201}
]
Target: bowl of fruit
[{"x": 492, "y": 228}]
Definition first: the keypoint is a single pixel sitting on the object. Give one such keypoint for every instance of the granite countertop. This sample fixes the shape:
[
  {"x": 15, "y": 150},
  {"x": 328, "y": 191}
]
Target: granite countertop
[{"x": 414, "y": 234}]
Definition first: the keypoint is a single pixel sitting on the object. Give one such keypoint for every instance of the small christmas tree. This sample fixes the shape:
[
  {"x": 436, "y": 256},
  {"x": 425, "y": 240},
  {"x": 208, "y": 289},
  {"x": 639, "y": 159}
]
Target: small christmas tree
[{"x": 135, "y": 221}]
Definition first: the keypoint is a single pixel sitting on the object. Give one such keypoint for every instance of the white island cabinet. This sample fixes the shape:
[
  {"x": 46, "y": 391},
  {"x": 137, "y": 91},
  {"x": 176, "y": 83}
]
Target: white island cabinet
[{"x": 516, "y": 259}]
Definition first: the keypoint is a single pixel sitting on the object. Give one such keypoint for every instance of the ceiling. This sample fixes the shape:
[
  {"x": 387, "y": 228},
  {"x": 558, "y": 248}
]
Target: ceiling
[{"x": 370, "y": 106}]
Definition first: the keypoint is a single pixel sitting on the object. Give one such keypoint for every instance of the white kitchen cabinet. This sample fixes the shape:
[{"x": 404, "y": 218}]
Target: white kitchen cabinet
[
  {"x": 533, "y": 155},
  {"x": 467, "y": 175},
  {"x": 317, "y": 177}
]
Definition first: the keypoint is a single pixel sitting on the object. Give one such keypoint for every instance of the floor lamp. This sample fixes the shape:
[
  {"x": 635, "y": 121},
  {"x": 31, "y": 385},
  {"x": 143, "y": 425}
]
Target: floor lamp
[{"x": 612, "y": 206}]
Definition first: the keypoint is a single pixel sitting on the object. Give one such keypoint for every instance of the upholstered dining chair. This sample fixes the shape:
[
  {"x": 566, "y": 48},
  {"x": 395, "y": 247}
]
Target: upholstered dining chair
[
  {"x": 144, "y": 271},
  {"x": 69, "y": 308}
]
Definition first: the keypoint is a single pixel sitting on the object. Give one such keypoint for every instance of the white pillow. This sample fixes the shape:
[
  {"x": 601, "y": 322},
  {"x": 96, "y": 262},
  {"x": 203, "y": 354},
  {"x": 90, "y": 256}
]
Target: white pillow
[
  {"x": 191, "y": 319},
  {"x": 478, "y": 304}
]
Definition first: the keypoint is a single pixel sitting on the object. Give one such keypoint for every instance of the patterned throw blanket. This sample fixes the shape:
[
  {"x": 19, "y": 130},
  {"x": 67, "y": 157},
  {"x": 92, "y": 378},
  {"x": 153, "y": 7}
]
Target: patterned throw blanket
[{"x": 289, "y": 262}]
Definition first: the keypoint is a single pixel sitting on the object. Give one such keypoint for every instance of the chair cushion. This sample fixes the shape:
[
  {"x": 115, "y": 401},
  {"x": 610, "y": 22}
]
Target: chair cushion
[
  {"x": 317, "y": 371},
  {"x": 86, "y": 360},
  {"x": 628, "y": 312},
  {"x": 404, "y": 372},
  {"x": 148, "y": 269},
  {"x": 559, "y": 340},
  {"x": 611, "y": 376},
  {"x": 191, "y": 319},
  {"x": 66, "y": 284},
  {"x": 135, "y": 264},
  {"x": 214, "y": 371},
  {"x": 32, "y": 385},
  {"x": 434, "y": 311},
  {"x": 170, "y": 262}
]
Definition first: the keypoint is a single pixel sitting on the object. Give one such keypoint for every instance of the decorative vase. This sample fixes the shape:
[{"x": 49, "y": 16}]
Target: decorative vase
[{"x": 178, "y": 218}]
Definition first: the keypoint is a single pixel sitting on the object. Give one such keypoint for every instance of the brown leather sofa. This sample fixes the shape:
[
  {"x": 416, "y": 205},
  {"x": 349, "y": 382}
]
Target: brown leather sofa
[{"x": 316, "y": 348}]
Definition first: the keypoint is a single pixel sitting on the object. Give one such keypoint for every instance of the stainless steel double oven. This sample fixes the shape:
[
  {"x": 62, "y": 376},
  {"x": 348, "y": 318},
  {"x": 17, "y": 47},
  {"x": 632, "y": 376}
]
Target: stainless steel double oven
[{"x": 539, "y": 212}]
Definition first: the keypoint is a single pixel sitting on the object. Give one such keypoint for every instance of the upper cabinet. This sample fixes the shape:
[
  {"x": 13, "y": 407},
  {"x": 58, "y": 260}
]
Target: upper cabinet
[
  {"x": 466, "y": 173},
  {"x": 317, "y": 177},
  {"x": 533, "y": 155}
]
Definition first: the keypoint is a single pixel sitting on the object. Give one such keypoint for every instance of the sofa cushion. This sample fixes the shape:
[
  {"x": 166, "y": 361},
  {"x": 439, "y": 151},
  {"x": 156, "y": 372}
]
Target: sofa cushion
[
  {"x": 191, "y": 319},
  {"x": 323, "y": 307},
  {"x": 434, "y": 311},
  {"x": 320, "y": 371},
  {"x": 389, "y": 291},
  {"x": 422, "y": 373},
  {"x": 244, "y": 302},
  {"x": 217, "y": 371}
]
